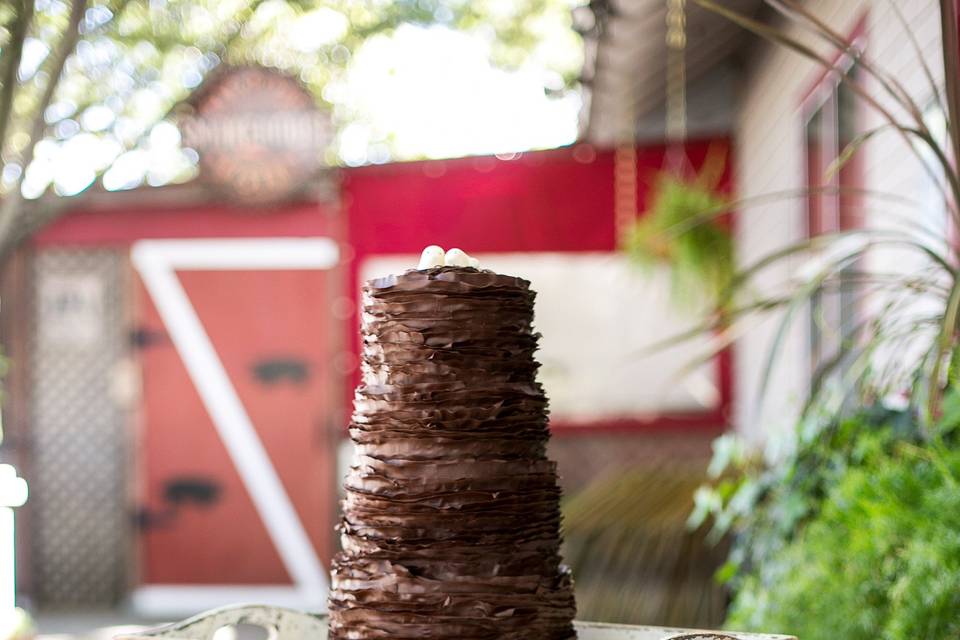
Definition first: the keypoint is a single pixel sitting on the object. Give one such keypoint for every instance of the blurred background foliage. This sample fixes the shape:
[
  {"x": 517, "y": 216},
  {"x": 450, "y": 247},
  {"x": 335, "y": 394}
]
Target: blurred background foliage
[
  {"x": 685, "y": 228},
  {"x": 855, "y": 534},
  {"x": 88, "y": 85}
]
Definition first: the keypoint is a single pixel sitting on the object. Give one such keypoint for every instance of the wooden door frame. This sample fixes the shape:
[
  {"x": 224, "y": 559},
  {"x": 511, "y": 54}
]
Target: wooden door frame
[{"x": 157, "y": 261}]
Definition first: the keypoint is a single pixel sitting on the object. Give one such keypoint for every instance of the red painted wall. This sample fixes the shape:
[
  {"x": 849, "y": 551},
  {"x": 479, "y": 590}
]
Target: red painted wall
[{"x": 557, "y": 200}]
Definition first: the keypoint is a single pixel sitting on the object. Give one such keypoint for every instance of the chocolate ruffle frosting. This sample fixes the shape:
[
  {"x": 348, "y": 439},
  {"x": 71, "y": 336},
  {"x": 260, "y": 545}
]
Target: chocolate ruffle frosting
[{"x": 451, "y": 520}]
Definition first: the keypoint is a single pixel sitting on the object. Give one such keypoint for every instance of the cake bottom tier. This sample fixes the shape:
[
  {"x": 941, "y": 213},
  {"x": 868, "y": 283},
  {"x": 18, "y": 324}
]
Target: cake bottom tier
[{"x": 397, "y": 602}]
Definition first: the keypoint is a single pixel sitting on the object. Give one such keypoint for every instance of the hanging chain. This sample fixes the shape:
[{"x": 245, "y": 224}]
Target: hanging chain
[
  {"x": 676, "y": 70},
  {"x": 624, "y": 189},
  {"x": 625, "y": 156}
]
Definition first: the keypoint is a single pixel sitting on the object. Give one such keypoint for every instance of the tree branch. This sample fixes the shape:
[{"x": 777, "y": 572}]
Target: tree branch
[
  {"x": 68, "y": 42},
  {"x": 35, "y": 215},
  {"x": 11, "y": 207},
  {"x": 18, "y": 34}
]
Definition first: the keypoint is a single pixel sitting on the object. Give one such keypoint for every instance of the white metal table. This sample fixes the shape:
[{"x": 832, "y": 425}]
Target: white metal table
[{"x": 287, "y": 624}]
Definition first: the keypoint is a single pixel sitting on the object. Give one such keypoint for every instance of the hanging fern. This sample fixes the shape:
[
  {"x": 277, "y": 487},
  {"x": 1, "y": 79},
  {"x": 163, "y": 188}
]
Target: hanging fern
[{"x": 681, "y": 229}]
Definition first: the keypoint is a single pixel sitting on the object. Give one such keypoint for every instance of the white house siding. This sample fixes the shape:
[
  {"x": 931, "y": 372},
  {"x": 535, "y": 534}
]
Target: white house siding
[{"x": 768, "y": 135}]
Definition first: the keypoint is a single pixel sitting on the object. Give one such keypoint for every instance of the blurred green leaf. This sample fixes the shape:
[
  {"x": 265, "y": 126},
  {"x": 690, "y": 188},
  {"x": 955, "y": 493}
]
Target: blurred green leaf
[{"x": 699, "y": 255}]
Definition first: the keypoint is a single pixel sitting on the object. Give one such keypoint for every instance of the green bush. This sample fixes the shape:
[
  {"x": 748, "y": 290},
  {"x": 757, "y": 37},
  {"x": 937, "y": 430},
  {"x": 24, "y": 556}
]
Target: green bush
[
  {"x": 854, "y": 534},
  {"x": 880, "y": 561}
]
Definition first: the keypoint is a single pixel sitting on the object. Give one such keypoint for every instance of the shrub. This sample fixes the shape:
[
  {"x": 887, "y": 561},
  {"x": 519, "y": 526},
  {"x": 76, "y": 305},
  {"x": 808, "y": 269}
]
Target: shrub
[
  {"x": 854, "y": 533},
  {"x": 881, "y": 560}
]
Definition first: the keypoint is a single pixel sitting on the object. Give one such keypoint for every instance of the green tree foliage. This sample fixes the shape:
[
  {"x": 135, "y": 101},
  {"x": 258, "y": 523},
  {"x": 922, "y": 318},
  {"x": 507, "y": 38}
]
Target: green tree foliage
[{"x": 113, "y": 69}]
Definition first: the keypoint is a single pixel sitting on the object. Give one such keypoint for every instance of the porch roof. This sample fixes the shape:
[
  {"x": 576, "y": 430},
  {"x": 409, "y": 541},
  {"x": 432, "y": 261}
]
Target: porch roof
[{"x": 625, "y": 60}]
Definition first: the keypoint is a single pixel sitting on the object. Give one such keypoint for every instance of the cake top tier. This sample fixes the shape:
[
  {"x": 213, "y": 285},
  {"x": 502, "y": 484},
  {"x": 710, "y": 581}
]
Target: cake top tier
[
  {"x": 450, "y": 324},
  {"x": 446, "y": 279}
]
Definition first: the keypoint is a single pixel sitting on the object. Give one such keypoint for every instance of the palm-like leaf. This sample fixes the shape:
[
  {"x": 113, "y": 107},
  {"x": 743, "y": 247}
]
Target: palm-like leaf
[
  {"x": 943, "y": 284},
  {"x": 906, "y": 345}
]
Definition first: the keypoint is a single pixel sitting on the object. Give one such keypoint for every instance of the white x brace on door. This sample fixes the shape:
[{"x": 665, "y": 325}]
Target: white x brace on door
[{"x": 157, "y": 262}]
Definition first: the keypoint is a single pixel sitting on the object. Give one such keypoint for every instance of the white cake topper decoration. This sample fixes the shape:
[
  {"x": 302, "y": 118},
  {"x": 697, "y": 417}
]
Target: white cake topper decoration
[
  {"x": 433, "y": 256},
  {"x": 457, "y": 258}
]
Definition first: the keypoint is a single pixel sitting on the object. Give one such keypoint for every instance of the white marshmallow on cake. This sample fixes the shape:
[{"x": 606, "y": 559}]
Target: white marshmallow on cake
[
  {"x": 457, "y": 258},
  {"x": 434, "y": 256},
  {"x": 431, "y": 257}
]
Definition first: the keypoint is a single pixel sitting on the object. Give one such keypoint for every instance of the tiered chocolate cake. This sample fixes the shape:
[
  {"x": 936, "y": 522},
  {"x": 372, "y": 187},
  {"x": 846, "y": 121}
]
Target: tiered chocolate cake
[{"x": 451, "y": 522}]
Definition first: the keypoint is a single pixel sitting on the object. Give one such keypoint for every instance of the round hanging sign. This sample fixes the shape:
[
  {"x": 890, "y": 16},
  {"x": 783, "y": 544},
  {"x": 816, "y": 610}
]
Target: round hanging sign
[{"x": 258, "y": 132}]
